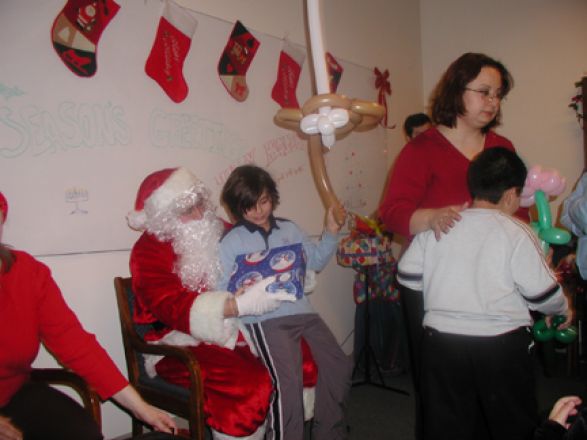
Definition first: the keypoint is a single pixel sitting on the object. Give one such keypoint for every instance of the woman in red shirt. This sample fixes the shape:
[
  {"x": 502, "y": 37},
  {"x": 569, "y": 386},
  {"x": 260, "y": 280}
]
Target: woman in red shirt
[
  {"x": 427, "y": 187},
  {"x": 33, "y": 311}
]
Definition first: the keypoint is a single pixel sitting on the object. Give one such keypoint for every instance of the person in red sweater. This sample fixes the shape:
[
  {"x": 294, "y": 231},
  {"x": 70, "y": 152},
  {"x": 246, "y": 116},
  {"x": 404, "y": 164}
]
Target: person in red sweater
[
  {"x": 427, "y": 187},
  {"x": 33, "y": 311}
]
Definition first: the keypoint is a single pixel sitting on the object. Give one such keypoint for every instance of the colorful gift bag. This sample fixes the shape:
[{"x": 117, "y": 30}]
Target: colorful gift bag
[{"x": 372, "y": 256}]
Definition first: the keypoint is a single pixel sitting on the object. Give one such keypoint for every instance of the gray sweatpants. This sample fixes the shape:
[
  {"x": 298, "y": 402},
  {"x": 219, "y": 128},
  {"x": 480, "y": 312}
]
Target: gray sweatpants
[{"x": 278, "y": 344}]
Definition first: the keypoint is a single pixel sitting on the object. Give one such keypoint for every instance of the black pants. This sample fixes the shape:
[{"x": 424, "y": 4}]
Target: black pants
[
  {"x": 413, "y": 310},
  {"x": 42, "y": 413},
  {"x": 468, "y": 382}
]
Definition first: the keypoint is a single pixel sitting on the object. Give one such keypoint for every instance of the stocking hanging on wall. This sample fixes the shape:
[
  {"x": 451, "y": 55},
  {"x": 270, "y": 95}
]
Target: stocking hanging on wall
[
  {"x": 334, "y": 72},
  {"x": 235, "y": 60},
  {"x": 170, "y": 48},
  {"x": 291, "y": 60},
  {"x": 77, "y": 30}
]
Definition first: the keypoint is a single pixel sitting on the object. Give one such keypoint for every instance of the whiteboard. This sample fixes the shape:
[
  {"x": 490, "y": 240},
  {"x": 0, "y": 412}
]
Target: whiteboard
[{"x": 74, "y": 150}]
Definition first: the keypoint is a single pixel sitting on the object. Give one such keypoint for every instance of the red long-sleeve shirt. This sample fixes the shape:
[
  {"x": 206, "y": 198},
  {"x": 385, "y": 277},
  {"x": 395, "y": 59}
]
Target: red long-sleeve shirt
[
  {"x": 429, "y": 173},
  {"x": 33, "y": 311}
]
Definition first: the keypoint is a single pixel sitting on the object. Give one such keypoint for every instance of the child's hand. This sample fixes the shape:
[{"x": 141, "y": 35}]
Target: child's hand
[
  {"x": 335, "y": 218},
  {"x": 563, "y": 408}
]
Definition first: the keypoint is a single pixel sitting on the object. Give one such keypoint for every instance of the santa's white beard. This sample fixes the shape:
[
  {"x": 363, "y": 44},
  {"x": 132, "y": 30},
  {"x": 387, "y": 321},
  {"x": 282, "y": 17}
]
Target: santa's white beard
[{"x": 196, "y": 244}]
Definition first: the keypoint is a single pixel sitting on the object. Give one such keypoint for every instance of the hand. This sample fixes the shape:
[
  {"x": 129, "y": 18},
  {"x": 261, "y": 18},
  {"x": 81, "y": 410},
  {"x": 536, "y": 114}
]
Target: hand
[
  {"x": 157, "y": 419},
  {"x": 257, "y": 301},
  {"x": 563, "y": 408},
  {"x": 443, "y": 219},
  {"x": 131, "y": 400},
  {"x": 567, "y": 322},
  {"x": 335, "y": 218},
  {"x": 8, "y": 430}
]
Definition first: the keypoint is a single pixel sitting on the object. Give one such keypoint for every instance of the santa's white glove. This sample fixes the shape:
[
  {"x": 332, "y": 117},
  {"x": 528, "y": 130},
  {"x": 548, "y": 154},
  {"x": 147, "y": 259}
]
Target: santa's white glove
[{"x": 257, "y": 301}]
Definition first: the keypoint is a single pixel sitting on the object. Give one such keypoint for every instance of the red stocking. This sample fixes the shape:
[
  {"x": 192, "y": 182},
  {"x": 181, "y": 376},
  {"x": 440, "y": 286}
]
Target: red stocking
[
  {"x": 235, "y": 60},
  {"x": 334, "y": 72},
  {"x": 170, "y": 48},
  {"x": 291, "y": 60},
  {"x": 77, "y": 30}
]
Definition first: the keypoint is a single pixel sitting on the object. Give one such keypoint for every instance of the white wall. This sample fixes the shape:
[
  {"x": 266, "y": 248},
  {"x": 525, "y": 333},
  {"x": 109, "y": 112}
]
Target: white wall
[
  {"x": 371, "y": 33},
  {"x": 542, "y": 43}
]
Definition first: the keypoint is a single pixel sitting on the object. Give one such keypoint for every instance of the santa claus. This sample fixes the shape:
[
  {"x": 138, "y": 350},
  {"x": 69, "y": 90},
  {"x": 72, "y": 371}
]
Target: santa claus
[{"x": 174, "y": 267}]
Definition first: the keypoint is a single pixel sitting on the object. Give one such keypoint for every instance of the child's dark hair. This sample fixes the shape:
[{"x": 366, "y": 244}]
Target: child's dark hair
[
  {"x": 244, "y": 187},
  {"x": 414, "y": 121},
  {"x": 494, "y": 171}
]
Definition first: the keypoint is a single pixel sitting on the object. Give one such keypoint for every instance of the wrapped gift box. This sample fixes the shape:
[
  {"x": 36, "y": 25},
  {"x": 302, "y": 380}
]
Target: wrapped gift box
[{"x": 287, "y": 263}]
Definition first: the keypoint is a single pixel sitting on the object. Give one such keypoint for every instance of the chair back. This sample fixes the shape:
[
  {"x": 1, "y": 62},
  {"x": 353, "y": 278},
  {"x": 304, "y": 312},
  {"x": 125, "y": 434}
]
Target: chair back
[
  {"x": 61, "y": 376},
  {"x": 130, "y": 331},
  {"x": 187, "y": 403}
]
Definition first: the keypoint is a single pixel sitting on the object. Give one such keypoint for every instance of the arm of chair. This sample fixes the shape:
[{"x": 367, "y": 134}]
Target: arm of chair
[
  {"x": 183, "y": 354},
  {"x": 60, "y": 376}
]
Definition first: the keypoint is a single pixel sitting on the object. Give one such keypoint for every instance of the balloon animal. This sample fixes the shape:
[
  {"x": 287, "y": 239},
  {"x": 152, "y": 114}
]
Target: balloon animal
[
  {"x": 544, "y": 333},
  {"x": 540, "y": 184},
  {"x": 326, "y": 115}
]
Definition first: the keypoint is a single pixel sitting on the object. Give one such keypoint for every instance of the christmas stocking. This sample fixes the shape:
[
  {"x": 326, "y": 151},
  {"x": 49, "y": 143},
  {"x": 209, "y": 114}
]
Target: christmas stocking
[
  {"x": 171, "y": 46},
  {"x": 291, "y": 60},
  {"x": 76, "y": 32},
  {"x": 234, "y": 62},
  {"x": 334, "y": 72}
]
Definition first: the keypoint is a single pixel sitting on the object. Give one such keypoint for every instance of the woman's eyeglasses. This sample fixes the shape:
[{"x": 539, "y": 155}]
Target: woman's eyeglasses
[{"x": 486, "y": 93}]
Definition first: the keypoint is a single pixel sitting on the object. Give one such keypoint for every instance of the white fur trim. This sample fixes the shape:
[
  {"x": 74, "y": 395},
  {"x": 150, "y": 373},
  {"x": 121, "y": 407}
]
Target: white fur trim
[
  {"x": 136, "y": 220},
  {"x": 180, "y": 181},
  {"x": 180, "y": 18},
  {"x": 309, "y": 396},
  {"x": 207, "y": 322},
  {"x": 174, "y": 337},
  {"x": 259, "y": 434},
  {"x": 150, "y": 362}
]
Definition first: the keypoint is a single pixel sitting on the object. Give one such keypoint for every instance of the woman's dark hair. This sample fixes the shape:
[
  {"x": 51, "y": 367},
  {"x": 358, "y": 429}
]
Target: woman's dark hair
[
  {"x": 244, "y": 187},
  {"x": 447, "y": 99},
  {"x": 494, "y": 171},
  {"x": 6, "y": 257}
]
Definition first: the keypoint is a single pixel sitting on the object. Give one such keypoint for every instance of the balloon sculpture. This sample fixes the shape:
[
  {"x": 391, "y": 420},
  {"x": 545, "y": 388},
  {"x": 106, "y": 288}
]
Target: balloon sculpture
[
  {"x": 540, "y": 184},
  {"x": 544, "y": 333},
  {"x": 326, "y": 115}
]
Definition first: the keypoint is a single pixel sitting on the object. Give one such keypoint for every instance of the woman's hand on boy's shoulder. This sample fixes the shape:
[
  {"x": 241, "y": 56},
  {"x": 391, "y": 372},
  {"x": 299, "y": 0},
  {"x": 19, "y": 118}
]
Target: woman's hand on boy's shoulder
[{"x": 335, "y": 218}]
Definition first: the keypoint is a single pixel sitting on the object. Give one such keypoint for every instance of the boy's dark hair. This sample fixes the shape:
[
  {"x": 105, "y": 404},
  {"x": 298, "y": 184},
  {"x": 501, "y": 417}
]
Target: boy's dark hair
[
  {"x": 494, "y": 171},
  {"x": 414, "y": 121},
  {"x": 244, "y": 187},
  {"x": 447, "y": 100}
]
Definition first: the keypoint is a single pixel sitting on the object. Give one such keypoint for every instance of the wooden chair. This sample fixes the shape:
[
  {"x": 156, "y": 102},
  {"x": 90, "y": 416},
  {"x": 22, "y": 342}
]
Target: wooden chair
[
  {"x": 61, "y": 376},
  {"x": 186, "y": 403}
]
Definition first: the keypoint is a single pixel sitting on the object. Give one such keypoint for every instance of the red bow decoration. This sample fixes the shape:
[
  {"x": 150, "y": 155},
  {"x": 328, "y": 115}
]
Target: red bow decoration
[{"x": 384, "y": 87}]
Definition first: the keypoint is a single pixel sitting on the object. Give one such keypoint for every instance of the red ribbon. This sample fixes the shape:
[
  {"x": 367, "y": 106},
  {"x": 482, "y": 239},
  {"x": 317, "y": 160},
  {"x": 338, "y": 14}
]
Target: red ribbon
[{"x": 383, "y": 85}]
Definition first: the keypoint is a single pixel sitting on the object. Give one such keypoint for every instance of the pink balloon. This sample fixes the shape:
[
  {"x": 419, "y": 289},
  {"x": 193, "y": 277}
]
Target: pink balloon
[
  {"x": 551, "y": 181},
  {"x": 527, "y": 191},
  {"x": 526, "y": 202},
  {"x": 534, "y": 178},
  {"x": 560, "y": 188}
]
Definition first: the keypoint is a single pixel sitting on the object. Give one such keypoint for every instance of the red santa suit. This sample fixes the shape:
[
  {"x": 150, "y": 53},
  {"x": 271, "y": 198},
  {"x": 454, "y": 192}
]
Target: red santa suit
[{"x": 237, "y": 386}]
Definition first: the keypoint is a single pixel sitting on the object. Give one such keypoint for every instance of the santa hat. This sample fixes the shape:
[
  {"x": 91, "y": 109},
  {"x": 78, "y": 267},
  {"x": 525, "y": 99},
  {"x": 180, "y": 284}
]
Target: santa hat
[
  {"x": 158, "y": 191},
  {"x": 3, "y": 206}
]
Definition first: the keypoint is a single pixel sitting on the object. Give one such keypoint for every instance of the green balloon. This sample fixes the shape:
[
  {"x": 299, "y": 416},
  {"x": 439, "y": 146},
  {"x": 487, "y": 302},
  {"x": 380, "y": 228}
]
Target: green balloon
[
  {"x": 558, "y": 320},
  {"x": 541, "y": 332},
  {"x": 555, "y": 235},
  {"x": 567, "y": 335},
  {"x": 544, "y": 216}
]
